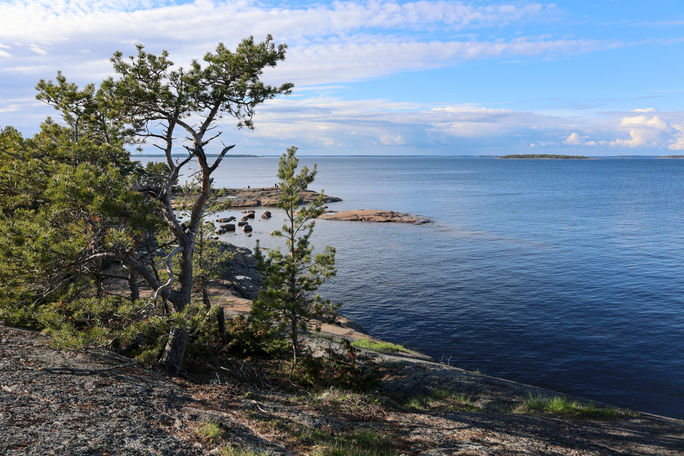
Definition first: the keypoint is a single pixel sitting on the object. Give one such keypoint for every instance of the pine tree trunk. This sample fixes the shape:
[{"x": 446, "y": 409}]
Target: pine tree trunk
[
  {"x": 185, "y": 279},
  {"x": 206, "y": 300},
  {"x": 294, "y": 338},
  {"x": 221, "y": 319},
  {"x": 172, "y": 359},
  {"x": 133, "y": 285}
]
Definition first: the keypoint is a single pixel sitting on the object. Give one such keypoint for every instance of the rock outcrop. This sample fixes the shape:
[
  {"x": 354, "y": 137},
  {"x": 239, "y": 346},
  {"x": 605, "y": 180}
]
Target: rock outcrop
[
  {"x": 93, "y": 402},
  {"x": 268, "y": 196},
  {"x": 241, "y": 272},
  {"x": 375, "y": 216}
]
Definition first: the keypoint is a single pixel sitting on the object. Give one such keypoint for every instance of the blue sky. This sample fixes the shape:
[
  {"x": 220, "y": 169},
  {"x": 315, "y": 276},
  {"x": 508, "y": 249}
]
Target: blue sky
[{"x": 393, "y": 77}]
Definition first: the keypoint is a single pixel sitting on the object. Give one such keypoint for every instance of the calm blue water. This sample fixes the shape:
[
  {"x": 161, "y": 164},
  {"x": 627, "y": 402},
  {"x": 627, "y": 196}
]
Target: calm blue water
[{"x": 558, "y": 273}]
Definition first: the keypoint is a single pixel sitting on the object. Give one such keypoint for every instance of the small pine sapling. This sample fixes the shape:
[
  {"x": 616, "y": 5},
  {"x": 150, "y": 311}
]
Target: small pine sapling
[{"x": 289, "y": 299}]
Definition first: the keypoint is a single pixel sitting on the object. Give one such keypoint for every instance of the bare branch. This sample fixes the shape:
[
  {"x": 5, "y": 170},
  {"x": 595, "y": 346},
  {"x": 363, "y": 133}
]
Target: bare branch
[
  {"x": 165, "y": 196},
  {"x": 210, "y": 118},
  {"x": 75, "y": 371},
  {"x": 204, "y": 143},
  {"x": 169, "y": 143},
  {"x": 188, "y": 128},
  {"x": 167, "y": 285},
  {"x": 220, "y": 157},
  {"x": 100, "y": 255},
  {"x": 179, "y": 165}
]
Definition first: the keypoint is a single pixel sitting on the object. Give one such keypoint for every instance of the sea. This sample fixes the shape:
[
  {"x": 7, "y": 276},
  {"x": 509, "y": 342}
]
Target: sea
[{"x": 564, "y": 274}]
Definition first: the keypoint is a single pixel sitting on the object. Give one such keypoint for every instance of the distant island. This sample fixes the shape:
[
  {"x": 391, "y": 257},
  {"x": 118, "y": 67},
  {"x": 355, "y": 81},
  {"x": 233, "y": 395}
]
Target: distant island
[
  {"x": 546, "y": 157},
  {"x": 185, "y": 155},
  {"x": 672, "y": 156}
]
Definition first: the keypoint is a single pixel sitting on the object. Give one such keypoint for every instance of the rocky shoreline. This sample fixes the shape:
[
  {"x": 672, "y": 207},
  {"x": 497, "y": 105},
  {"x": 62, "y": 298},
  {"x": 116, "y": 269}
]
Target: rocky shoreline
[
  {"x": 263, "y": 196},
  {"x": 94, "y": 402},
  {"x": 375, "y": 216}
]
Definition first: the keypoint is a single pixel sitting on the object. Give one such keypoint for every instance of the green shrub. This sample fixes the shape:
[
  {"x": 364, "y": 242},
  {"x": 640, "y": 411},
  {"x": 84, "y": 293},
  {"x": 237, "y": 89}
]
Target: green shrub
[
  {"x": 334, "y": 370},
  {"x": 109, "y": 321},
  {"x": 244, "y": 338},
  {"x": 133, "y": 329}
]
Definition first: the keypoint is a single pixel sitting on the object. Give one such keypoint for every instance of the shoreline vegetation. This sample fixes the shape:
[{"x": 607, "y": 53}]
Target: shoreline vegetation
[
  {"x": 543, "y": 157},
  {"x": 143, "y": 333}
]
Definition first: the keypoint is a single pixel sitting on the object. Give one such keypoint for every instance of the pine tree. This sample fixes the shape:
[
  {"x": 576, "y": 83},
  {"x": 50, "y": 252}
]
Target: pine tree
[
  {"x": 289, "y": 298},
  {"x": 91, "y": 205}
]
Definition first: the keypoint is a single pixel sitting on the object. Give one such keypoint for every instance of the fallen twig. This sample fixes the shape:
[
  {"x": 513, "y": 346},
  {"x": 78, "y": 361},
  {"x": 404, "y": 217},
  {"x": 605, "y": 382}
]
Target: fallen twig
[{"x": 75, "y": 371}]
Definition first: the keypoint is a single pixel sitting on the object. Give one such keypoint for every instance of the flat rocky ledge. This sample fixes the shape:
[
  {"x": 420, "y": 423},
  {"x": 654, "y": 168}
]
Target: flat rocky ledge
[
  {"x": 265, "y": 196},
  {"x": 93, "y": 402},
  {"x": 375, "y": 216}
]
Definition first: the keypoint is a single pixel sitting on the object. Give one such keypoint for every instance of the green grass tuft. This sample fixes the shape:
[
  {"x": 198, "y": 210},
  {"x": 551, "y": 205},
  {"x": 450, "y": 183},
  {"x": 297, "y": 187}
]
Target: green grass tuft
[
  {"x": 379, "y": 346},
  {"x": 359, "y": 443},
  {"x": 560, "y": 405},
  {"x": 209, "y": 430},
  {"x": 442, "y": 399},
  {"x": 232, "y": 451}
]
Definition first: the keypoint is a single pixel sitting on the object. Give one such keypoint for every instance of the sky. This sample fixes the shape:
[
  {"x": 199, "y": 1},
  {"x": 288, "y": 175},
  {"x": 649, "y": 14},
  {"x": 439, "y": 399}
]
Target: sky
[{"x": 378, "y": 77}]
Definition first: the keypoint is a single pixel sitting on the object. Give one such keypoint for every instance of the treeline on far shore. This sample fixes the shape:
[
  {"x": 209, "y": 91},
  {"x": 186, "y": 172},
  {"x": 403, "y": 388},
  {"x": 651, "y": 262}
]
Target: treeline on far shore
[{"x": 545, "y": 157}]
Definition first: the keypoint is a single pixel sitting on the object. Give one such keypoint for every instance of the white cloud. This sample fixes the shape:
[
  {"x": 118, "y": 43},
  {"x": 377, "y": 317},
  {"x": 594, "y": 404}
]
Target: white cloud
[
  {"x": 330, "y": 44},
  {"x": 47, "y": 21},
  {"x": 381, "y": 126},
  {"x": 343, "y": 41},
  {"x": 37, "y": 49},
  {"x": 643, "y": 131},
  {"x": 574, "y": 139},
  {"x": 10, "y": 108},
  {"x": 647, "y": 129},
  {"x": 678, "y": 138},
  {"x": 2, "y": 52},
  {"x": 392, "y": 140}
]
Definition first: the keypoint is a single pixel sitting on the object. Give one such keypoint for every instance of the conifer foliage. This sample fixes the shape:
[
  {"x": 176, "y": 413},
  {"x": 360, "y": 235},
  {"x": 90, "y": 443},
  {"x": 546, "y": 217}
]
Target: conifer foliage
[
  {"x": 291, "y": 278},
  {"x": 75, "y": 210}
]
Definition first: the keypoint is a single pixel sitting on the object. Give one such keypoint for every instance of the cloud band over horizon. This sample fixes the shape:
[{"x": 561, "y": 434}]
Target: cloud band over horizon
[{"x": 341, "y": 53}]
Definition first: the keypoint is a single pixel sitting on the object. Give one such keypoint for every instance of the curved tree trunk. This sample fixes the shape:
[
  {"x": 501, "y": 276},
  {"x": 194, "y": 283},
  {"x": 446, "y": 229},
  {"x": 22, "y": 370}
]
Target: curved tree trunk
[{"x": 172, "y": 359}]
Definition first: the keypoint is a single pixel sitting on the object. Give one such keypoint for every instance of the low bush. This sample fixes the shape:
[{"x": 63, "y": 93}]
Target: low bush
[{"x": 334, "y": 369}]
